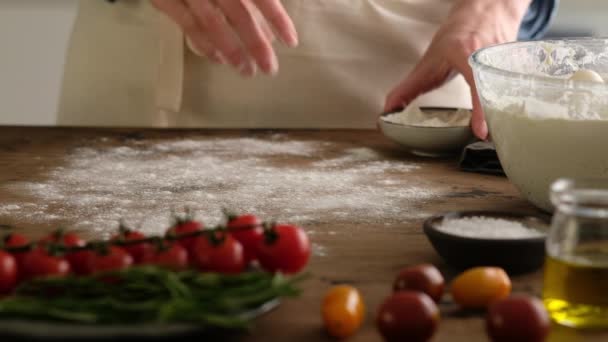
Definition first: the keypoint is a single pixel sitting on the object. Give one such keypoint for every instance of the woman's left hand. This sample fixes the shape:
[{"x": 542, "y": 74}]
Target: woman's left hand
[{"x": 471, "y": 25}]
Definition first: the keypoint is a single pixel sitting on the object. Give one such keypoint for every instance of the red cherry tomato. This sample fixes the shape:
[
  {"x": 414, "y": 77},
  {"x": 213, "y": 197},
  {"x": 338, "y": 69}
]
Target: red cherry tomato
[
  {"x": 66, "y": 238},
  {"x": 223, "y": 256},
  {"x": 113, "y": 259},
  {"x": 73, "y": 240},
  {"x": 173, "y": 257},
  {"x": 186, "y": 227},
  {"x": 285, "y": 249},
  {"x": 424, "y": 278},
  {"x": 39, "y": 263},
  {"x": 15, "y": 240},
  {"x": 248, "y": 230},
  {"x": 8, "y": 272},
  {"x": 140, "y": 252},
  {"x": 408, "y": 316},
  {"x": 80, "y": 262},
  {"x": 518, "y": 318}
]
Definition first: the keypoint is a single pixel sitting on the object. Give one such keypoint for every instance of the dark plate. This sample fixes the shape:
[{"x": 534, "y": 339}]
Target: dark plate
[
  {"x": 516, "y": 256},
  {"x": 20, "y": 330}
]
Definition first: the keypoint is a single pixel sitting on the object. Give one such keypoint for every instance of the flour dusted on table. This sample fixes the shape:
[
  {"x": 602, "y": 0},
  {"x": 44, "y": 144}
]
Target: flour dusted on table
[
  {"x": 10, "y": 207},
  {"x": 95, "y": 187}
]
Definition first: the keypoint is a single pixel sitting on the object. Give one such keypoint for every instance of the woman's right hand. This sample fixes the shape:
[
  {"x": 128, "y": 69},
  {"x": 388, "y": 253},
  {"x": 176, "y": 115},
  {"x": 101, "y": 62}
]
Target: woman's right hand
[{"x": 235, "y": 32}]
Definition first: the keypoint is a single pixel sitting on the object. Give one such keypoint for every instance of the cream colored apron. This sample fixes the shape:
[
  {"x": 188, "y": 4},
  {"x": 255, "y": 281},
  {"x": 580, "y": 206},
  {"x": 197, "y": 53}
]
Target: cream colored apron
[{"x": 128, "y": 65}]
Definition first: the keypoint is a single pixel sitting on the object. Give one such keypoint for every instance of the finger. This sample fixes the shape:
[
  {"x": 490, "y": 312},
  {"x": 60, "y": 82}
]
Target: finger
[
  {"x": 270, "y": 36},
  {"x": 249, "y": 68},
  {"x": 180, "y": 13},
  {"x": 205, "y": 48},
  {"x": 218, "y": 32},
  {"x": 259, "y": 18},
  {"x": 278, "y": 17},
  {"x": 478, "y": 121},
  {"x": 251, "y": 34},
  {"x": 422, "y": 79}
]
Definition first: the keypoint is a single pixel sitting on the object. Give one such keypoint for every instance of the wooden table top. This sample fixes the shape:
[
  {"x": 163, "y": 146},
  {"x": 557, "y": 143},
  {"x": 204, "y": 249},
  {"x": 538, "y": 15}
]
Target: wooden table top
[{"x": 365, "y": 253}]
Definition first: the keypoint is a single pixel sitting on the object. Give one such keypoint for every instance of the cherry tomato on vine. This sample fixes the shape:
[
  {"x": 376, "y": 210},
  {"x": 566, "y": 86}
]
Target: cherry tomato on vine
[
  {"x": 8, "y": 272},
  {"x": 68, "y": 239},
  {"x": 172, "y": 256},
  {"x": 15, "y": 240},
  {"x": 285, "y": 248},
  {"x": 39, "y": 263},
  {"x": 140, "y": 252},
  {"x": 79, "y": 261},
  {"x": 222, "y": 254},
  {"x": 343, "y": 311},
  {"x": 185, "y": 227},
  {"x": 248, "y": 230},
  {"x": 111, "y": 259}
]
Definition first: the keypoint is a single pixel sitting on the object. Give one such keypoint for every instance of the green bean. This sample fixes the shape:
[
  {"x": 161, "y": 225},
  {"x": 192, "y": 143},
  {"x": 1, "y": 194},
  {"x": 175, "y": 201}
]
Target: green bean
[
  {"x": 148, "y": 294},
  {"x": 176, "y": 287}
]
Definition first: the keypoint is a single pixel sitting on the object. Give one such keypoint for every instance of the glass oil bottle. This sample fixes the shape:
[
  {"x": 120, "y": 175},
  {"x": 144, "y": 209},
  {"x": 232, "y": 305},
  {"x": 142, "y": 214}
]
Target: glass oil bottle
[{"x": 575, "y": 290}]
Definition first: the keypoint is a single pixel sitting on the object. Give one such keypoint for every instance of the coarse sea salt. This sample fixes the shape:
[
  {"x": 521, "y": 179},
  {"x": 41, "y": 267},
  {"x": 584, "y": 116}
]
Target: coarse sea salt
[
  {"x": 92, "y": 188},
  {"x": 487, "y": 228}
]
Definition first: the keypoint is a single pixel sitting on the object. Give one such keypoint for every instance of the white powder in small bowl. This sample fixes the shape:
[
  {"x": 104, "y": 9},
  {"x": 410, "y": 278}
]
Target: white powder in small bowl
[
  {"x": 426, "y": 117},
  {"x": 487, "y": 228}
]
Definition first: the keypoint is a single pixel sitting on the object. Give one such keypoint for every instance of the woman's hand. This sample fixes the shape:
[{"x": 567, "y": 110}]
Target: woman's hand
[
  {"x": 235, "y": 32},
  {"x": 472, "y": 24}
]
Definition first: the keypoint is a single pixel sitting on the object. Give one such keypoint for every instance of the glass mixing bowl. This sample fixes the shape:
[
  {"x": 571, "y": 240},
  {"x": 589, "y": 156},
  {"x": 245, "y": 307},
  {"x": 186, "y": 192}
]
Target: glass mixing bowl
[{"x": 544, "y": 125}]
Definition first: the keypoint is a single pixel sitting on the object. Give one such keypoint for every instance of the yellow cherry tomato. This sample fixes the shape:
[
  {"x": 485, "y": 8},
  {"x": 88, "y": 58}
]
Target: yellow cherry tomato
[
  {"x": 343, "y": 311},
  {"x": 478, "y": 287}
]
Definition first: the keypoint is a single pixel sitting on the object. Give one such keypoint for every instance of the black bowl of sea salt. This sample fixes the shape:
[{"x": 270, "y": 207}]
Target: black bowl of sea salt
[{"x": 515, "y": 242}]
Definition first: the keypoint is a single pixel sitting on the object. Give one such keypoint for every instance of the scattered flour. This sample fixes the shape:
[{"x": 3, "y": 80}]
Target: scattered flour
[
  {"x": 141, "y": 182},
  {"x": 10, "y": 207},
  {"x": 487, "y": 228},
  {"x": 319, "y": 250}
]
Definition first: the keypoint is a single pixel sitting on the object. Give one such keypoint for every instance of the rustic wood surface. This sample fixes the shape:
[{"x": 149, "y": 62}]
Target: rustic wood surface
[{"x": 365, "y": 255}]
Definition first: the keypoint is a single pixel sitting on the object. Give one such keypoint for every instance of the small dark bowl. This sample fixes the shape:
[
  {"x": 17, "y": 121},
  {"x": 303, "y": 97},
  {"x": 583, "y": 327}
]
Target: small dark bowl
[{"x": 516, "y": 256}]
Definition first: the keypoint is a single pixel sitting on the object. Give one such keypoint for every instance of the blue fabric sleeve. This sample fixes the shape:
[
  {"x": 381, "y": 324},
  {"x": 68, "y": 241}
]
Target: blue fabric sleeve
[{"x": 538, "y": 19}]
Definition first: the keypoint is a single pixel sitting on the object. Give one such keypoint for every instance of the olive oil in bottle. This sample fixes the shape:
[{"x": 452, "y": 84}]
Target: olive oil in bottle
[{"x": 575, "y": 290}]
